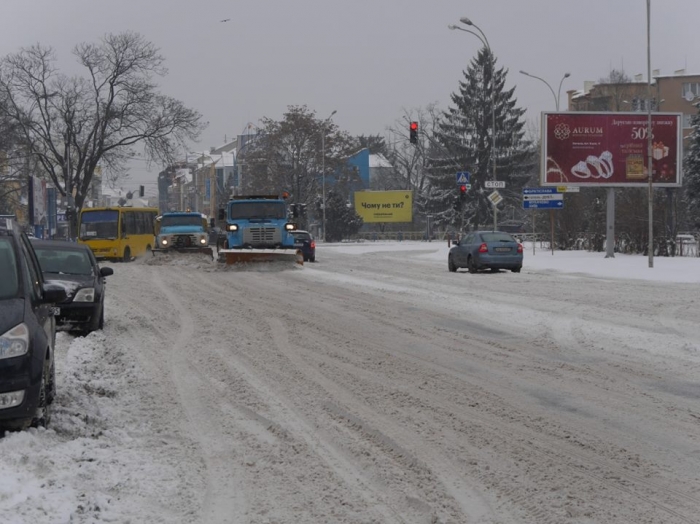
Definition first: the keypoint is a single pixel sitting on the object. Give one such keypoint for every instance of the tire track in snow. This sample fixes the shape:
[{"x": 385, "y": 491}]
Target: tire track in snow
[{"x": 223, "y": 502}]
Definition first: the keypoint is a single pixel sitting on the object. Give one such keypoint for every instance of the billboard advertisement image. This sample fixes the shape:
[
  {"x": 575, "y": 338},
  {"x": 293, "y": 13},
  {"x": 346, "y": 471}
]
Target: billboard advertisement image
[
  {"x": 610, "y": 149},
  {"x": 384, "y": 206}
]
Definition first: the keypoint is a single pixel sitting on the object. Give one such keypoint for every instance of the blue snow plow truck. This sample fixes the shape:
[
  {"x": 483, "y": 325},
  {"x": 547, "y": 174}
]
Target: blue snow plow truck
[
  {"x": 183, "y": 232},
  {"x": 258, "y": 229}
]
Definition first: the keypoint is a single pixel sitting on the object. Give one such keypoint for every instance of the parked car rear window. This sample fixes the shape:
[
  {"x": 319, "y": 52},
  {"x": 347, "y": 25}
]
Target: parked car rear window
[
  {"x": 302, "y": 236},
  {"x": 497, "y": 237}
]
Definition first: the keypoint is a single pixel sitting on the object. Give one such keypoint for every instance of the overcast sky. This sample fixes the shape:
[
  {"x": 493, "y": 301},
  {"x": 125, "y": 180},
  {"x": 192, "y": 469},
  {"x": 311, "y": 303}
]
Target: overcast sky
[{"x": 371, "y": 60}]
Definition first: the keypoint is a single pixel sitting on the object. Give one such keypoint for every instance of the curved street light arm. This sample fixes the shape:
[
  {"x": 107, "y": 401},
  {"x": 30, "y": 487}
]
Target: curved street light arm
[
  {"x": 468, "y": 22},
  {"x": 556, "y": 100}
]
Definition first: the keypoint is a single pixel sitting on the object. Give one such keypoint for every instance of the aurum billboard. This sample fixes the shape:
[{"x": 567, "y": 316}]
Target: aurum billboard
[
  {"x": 610, "y": 149},
  {"x": 384, "y": 206}
]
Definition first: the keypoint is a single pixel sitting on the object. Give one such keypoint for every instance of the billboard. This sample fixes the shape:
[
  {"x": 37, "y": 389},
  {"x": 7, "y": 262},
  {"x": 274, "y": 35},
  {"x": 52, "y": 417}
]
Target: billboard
[
  {"x": 384, "y": 206},
  {"x": 610, "y": 149}
]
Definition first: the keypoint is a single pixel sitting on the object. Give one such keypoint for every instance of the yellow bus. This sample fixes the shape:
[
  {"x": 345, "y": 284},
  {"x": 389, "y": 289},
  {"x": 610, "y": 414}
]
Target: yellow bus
[{"x": 118, "y": 233}]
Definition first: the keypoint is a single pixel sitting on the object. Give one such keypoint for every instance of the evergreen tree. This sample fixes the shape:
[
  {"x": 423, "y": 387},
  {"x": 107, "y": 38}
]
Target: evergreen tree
[
  {"x": 342, "y": 221},
  {"x": 691, "y": 174},
  {"x": 463, "y": 141}
]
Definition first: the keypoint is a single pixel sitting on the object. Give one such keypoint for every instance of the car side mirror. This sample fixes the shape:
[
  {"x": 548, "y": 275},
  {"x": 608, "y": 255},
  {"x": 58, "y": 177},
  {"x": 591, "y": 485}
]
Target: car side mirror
[
  {"x": 455, "y": 243},
  {"x": 54, "y": 294},
  {"x": 106, "y": 271}
]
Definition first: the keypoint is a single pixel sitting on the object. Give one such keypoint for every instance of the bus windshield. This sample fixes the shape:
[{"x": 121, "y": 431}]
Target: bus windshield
[
  {"x": 99, "y": 224},
  {"x": 252, "y": 210},
  {"x": 181, "y": 220}
]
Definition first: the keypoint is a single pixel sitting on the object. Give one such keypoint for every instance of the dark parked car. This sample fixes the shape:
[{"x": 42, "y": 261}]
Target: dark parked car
[
  {"x": 492, "y": 250},
  {"x": 305, "y": 241},
  {"x": 27, "y": 333},
  {"x": 74, "y": 267}
]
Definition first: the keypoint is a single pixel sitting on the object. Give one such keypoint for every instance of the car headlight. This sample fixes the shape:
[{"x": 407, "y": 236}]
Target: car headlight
[
  {"x": 232, "y": 227},
  {"x": 87, "y": 294},
  {"x": 203, "y": 241},
  {"x": 289, "y": 226},
  {"x": 164, "y": 241},
  {"x": 14, "y": 342}
]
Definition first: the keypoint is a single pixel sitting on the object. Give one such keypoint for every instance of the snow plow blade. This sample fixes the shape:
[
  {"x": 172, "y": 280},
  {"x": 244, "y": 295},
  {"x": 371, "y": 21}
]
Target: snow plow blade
[
  {"x": 241, "y": 256},
  {"x": 206, "y": 250}
]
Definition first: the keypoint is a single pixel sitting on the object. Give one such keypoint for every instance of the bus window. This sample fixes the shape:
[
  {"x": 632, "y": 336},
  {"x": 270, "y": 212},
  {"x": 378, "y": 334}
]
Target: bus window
[{"x": 96, "y": 225}]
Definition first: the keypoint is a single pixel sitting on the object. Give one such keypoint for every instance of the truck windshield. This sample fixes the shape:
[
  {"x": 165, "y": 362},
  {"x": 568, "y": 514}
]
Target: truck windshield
[
  {"x": 191, "y": 220},
  {"x": 253, "y": 210}
]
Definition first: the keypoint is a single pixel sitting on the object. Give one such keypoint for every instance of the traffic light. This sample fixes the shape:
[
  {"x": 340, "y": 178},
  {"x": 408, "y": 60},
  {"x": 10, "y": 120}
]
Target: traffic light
[
  {"x": 413, "y": 132},
  {"x": 462, "y": 192}
]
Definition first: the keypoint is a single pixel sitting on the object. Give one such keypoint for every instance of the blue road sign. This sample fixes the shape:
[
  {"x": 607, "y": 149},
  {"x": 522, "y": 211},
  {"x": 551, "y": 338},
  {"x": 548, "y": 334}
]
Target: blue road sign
[
  {"x": 463, "y": 177},
  {"x": 539, "y": 191},
  {"x": 543, "y": 204}
]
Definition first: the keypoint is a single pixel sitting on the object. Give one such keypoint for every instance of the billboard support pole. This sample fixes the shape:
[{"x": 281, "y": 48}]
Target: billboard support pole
[
  {"x": 610, "y": 225},
  {"x": 650, "y": 168}
]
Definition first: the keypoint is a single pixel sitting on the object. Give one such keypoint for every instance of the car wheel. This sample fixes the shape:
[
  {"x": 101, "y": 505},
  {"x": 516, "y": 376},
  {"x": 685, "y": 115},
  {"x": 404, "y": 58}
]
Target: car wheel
[
  {"x": 516, "y": 270},
  {"x": 470, "y": 265},
  {"x": 101, "y": 323},
  {"x": 51, "y": 390},
  {"x": 96, "y": 322},
  {"x": 42, "y": 416},
  {"x": 127, "y": 255},
  {"x": 451, "y": 265},
  {"x": 313, "y": 258},
  {"x": 306, "y": 259}
]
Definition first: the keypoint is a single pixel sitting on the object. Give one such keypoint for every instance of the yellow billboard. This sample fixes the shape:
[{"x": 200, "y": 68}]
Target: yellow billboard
[{"x": 384, "y": 206}]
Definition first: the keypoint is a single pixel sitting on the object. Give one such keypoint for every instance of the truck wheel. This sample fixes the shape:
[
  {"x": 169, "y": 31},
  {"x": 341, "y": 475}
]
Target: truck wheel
[{"x": 127, "y": 255}]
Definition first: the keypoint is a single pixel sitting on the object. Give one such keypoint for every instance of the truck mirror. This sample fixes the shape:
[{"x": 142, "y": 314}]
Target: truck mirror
[
  {"x": 212, "y": 223},
  {"x": 222, "y": 214}
]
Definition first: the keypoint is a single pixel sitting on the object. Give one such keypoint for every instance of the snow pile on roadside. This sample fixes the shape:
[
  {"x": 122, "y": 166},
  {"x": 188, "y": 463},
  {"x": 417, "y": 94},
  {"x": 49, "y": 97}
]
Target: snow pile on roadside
[{"x": 96, "y": 439}]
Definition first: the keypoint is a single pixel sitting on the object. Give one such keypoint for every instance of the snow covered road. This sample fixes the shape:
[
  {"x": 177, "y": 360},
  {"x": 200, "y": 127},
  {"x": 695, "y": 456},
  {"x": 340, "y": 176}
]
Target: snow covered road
[{"x": 372, "y": 386}]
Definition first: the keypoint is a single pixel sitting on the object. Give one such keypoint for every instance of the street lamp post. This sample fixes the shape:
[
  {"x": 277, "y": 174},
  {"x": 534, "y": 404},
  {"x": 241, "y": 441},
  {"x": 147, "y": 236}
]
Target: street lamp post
[
  {"x": 481, "y": 36},
  {"x": 323, "y": 173}
]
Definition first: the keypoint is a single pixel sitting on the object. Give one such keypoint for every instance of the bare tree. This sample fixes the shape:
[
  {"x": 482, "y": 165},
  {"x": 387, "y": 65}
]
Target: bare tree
[
  {"x": 289, "y": 155},
  {"x": 73, "y": 124}
]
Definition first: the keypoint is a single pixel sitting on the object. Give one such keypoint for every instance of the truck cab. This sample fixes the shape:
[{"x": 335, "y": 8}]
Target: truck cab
[{"x": 182, "y": 231}]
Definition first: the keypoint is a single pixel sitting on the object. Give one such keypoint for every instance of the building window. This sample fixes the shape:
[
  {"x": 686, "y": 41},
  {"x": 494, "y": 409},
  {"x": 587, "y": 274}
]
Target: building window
[
  {"x": 687, "y": 119},
  {"x": 690, "y": 90}
]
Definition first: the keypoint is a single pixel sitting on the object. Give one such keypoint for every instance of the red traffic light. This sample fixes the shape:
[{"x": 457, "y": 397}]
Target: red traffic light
[
  {"x": 463, "y": 189},
  {"x": 413, "y": 132}
]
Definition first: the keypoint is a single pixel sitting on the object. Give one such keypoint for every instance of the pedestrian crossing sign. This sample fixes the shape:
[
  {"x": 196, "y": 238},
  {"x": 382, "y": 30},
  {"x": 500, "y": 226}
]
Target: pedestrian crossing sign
[{"x": 463, "y": 177}]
